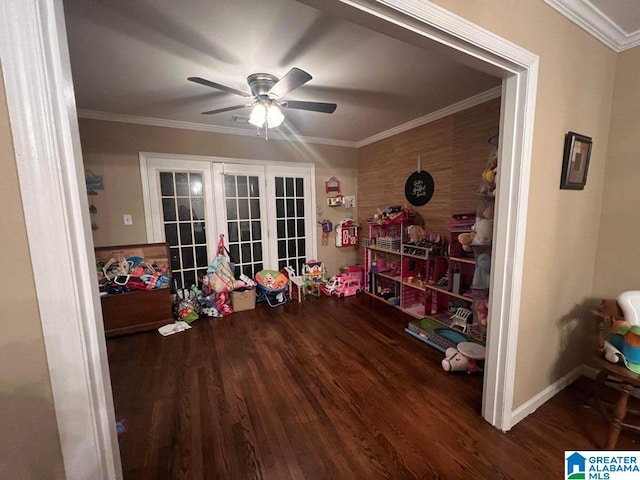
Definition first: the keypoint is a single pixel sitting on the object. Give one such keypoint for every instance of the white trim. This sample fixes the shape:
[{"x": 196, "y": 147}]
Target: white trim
[
  {"x": 437, "y": 115},
  {"x": 431, "y": 117},
  {"x": 161, "y": 122},
  {"x": 147, "y": 204},
  {"x": 509, "y": 245},
  {"x": 202, "y": 158},
  {"x": 531, "y": 405},
  {"x": 591, "y": 19},
  {"x": 37, "y": 76}
]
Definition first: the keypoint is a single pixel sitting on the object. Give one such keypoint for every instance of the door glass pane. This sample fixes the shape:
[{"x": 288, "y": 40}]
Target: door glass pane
[
  {"x": 169, "y": 209},
  {"x": 255, "y": 208},
  {"x": 195, "y": 184},
  {"x": 166, "y": 184},
  {"x": 242, "y": 194},
  {"x": 290, "y": 220},
  {"x": 279, "y": 187},
  {"x": 171, "y": 233},
  {"x": 256, "y": 232},
  {"x": 202, "y": 261},
  {"x": 245, "y": 232},
  {"x": 184, "y": 209},
  {"x": 230, "y": 185},
  {"x": 243, "y": 209},
  {"x": 234, "y": 233},
  {"x": 182, "y": 184},
  {"x": 188, "y": 260},
  {"x": 183, "y": 200},
  {"x": 185, "y": 234}
]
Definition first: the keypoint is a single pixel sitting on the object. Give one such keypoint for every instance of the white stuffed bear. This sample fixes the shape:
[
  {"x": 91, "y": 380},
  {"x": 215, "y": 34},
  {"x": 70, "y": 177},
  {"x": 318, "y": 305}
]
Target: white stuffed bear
[{"x": 483, "y": 229}]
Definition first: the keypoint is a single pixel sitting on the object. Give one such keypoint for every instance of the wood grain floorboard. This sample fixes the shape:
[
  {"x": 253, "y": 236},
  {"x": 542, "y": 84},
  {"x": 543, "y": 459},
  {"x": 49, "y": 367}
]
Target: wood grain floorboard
[{"x": 324, "y": 389}]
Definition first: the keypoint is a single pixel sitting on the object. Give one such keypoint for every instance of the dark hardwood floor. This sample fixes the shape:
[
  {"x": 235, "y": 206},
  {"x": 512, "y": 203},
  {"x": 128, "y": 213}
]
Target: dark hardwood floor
[{"x": 328, "y": 388}]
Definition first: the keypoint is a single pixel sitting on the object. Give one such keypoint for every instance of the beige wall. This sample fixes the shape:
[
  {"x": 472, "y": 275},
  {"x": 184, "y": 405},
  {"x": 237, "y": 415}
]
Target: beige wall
[
  {"x": 618, "y": 258},
  {"x": 575, "y": 86},
  {"x": 111, "y": 149},
  {"x": 29, "y": 442}
]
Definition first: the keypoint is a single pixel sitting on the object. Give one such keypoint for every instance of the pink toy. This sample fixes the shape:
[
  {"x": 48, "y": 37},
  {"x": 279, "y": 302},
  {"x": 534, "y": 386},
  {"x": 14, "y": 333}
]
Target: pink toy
[
  {"x": 463, "y": 358},
  {"x": 347, "y": 286}
]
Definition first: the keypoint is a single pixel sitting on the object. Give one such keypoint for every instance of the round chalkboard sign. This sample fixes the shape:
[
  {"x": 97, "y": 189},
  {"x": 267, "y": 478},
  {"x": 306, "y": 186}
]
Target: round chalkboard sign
[{"x": 419, "y": 188}]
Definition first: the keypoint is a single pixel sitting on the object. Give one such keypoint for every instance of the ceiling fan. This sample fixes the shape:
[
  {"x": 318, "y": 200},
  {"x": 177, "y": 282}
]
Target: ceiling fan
[{"x": 266, "y": 97}]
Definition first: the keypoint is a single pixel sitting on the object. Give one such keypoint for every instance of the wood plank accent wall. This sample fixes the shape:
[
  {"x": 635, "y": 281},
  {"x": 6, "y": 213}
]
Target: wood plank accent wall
[{"x": 454, "y": 151}]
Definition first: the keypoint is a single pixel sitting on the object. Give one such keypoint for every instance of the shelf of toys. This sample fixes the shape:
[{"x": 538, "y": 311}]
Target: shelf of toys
[{"x": 400, "y": 260}]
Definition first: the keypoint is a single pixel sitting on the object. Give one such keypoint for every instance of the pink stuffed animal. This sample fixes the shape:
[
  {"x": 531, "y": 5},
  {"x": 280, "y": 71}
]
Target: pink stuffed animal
[{"x": 455, "y": 361}]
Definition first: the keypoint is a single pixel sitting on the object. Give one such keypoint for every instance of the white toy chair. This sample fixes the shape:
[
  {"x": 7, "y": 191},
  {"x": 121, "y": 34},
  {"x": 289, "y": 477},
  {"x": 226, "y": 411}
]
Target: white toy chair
[
  {"x": 297, "y": 280},
  {"x": 460, "y": 319}
]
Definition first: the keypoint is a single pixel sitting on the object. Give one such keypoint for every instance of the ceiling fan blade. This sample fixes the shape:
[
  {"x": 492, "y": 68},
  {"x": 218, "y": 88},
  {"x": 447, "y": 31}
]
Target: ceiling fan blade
[
  {"x": 292, "y": 80},
  {"x": 226, "y": 109},
  {"x": 209, "y": 83},
  {"x": 312, "y": 106}
]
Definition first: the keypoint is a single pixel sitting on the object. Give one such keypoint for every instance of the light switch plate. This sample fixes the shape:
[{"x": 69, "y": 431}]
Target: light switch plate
[{"x": 128, "y": 220}]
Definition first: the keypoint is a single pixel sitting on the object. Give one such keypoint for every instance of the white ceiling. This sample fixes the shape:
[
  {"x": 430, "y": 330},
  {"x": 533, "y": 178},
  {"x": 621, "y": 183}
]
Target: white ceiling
[
  {"x": 616, "y": 23},
  {"x": 131, "y": 59}
]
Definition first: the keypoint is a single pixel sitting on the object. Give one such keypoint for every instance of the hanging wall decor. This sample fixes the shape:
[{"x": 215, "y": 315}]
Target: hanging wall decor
[
  {"x": 419, "y": 187},
  {"x": 332, "y": 185},
  {"x": 94, "y": 182},
  {"x": 575, "y": 162}
]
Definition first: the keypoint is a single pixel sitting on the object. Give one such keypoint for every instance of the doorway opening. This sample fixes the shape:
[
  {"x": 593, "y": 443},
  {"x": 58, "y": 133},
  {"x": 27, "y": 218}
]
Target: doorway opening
[{"x": 33, "y": 45}]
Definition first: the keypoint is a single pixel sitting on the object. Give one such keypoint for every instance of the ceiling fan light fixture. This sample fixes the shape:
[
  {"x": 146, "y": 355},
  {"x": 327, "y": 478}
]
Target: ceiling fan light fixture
[
  {"x": 258, "y": 115},
  {"x": 275, "y": 117}
]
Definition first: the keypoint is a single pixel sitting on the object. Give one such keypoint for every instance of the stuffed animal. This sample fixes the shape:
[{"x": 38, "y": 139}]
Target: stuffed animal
[
  {"x": 481, "y": 311},
  {"x": 483, "y": 229},
  {"x": 466, "y": 240},
  {"x": 488, "y": 186},
  {"x": 455, "y": 361},
  {"x": 417, "y": 235}
]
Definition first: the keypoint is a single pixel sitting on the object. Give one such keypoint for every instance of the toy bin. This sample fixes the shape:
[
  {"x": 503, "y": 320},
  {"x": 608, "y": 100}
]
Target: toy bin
[{"x": 243, "y": 299}]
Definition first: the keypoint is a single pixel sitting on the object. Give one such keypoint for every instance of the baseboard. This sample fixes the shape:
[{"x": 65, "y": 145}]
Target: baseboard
[{"x": 531, "y": 405}]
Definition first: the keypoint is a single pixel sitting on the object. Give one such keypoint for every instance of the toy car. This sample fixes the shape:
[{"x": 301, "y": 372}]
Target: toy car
[
  {"x": 347, "y": 286},
  {"x": 333, "y": 282}
]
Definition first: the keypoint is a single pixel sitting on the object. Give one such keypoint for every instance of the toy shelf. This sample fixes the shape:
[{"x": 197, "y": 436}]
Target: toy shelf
[
  {"x": 471, "y": 261},
  {"x": 449, "y": 293},
  {"x": 384, "y": 250},
  {"x": 415, "y": 311},
  {"x": 395, "y": 278}
]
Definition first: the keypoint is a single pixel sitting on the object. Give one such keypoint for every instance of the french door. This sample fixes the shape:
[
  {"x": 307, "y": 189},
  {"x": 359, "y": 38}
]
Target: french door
[
  {"x": 239, "y": 195},
  {"x": 264, "y": 211}
]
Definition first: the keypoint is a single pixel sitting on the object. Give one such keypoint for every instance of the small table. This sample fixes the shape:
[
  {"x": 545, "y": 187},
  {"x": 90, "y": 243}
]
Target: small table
[
  {"x": 623, "y": 380},
  {"x": 471, "y": 350}
]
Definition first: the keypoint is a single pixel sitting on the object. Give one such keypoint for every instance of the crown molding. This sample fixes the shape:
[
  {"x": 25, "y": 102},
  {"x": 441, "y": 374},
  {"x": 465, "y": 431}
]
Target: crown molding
[
  {"x": 437, "y": 115},
  {"x": 594, "y": 21},
  {"x": 161, "y": 122}
]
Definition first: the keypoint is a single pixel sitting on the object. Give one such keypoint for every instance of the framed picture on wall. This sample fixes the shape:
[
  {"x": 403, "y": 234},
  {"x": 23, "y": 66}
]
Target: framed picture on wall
[{"x": 575, "y": 163}]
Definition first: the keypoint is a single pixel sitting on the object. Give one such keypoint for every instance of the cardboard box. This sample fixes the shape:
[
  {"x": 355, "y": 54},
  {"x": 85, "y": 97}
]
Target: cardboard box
[{"x": 243, "y": 300}]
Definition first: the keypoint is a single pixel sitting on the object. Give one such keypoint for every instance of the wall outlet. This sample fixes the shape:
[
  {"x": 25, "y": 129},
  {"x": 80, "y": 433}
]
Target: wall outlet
[{"x": 128, "y": 220}]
